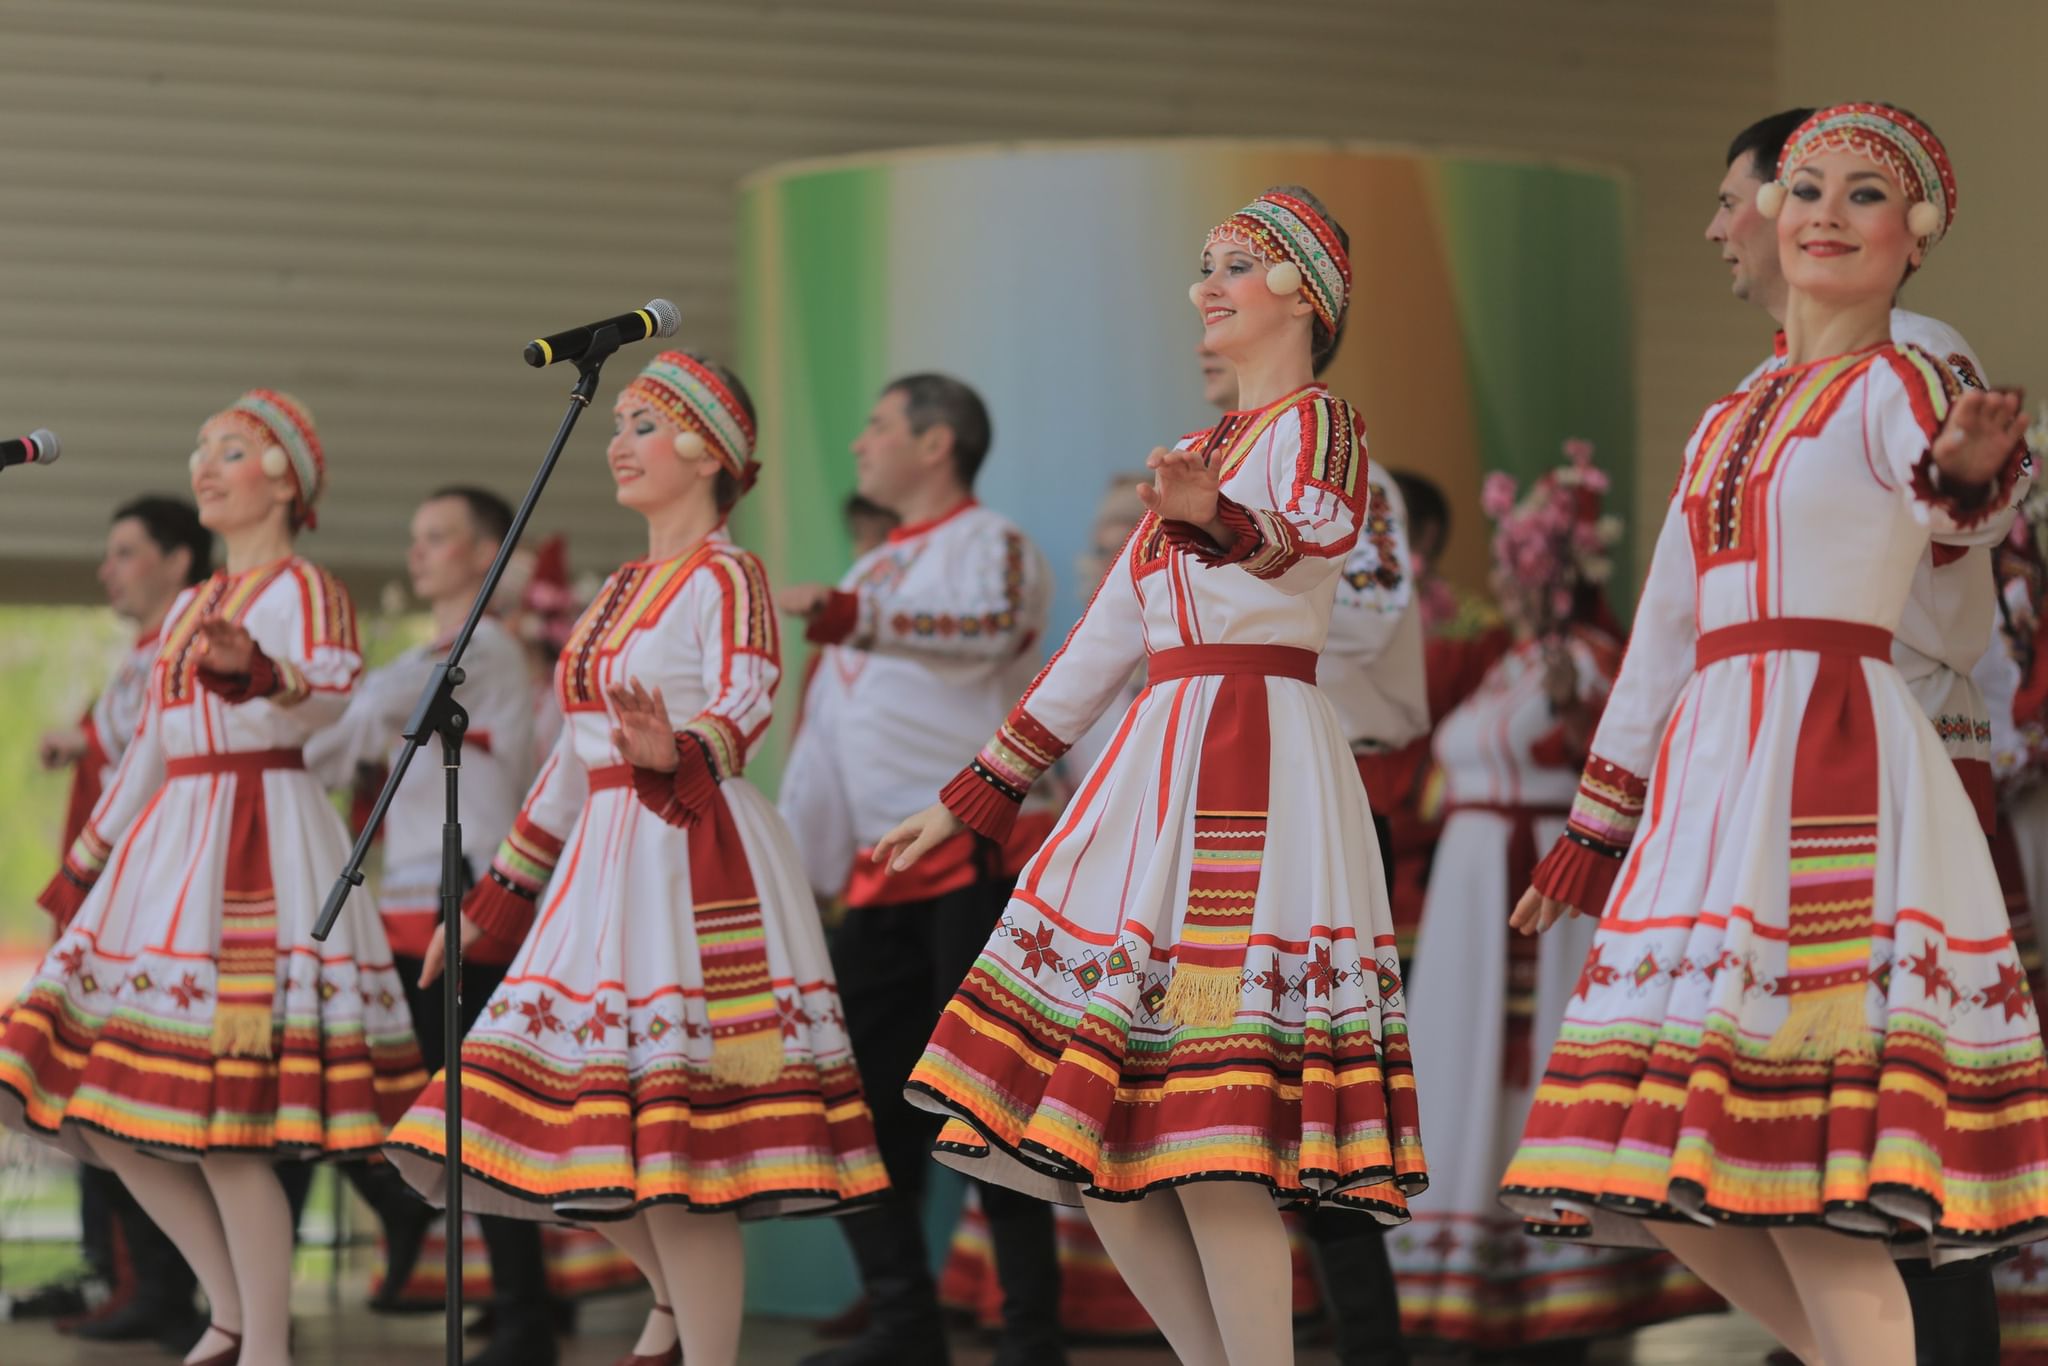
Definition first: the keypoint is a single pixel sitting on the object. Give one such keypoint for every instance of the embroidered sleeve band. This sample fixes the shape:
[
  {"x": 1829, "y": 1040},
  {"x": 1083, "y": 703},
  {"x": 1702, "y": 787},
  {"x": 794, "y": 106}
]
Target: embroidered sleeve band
[
  {"x": 986, "y": 794},
  {"x": 1264, "y": 542},
  {"x": 1607, "y": 809},
  {"x": 75, "y": 877},
  {"x": 721, "y": 741},
  {"x": 276, "y": 679},
  {"x": 1968, "y": 505}
]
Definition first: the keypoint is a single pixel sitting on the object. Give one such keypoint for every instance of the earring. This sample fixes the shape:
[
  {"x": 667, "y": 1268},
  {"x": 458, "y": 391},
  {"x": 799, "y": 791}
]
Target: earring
[
  {"x": 690, "y": 446},
  {"x": 1284, "y": 278},
  {"x": 1195, "y": 293},
  {"x": 1770, "y": 198},
  {"x": 1923, "y": 219},
  {"x": 275, "y": 462},
  {"x": 192, "y": 460}
]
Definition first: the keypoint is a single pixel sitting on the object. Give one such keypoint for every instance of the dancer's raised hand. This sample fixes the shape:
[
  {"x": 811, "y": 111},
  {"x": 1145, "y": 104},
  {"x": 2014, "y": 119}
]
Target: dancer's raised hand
[
  {"x": 641, "y": 730},
  {"x": 1979, "y": 436}
]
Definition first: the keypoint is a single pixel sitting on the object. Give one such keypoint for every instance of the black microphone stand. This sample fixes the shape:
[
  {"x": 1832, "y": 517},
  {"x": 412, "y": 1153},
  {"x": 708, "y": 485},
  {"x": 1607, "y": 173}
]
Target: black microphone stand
[{"x": 438, "y": 714}]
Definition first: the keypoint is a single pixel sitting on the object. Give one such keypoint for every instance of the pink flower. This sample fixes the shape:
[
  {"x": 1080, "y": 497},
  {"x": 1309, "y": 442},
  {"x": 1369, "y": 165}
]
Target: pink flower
[{"x": 1497, "y": 495}]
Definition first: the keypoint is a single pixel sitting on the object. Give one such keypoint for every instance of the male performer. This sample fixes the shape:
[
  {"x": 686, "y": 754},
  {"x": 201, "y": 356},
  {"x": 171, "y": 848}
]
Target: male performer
[
  {"x": 155, "y": 548},
  {"x": 1944, "y": 633},
  {"x": 1372, "y": 672},
  {"x": 932, "y": 637},
  {"x": 455, "y": 535}
]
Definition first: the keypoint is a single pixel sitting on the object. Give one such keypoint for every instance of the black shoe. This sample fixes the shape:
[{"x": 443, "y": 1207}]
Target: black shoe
[
  {"x": 524, "y": 1340},
  {"x": 136, "y": 1320},
  {"x": 61, "y": 1299},
  {"x": 904, "y": 1325},
  {"x": 405, "y": 1219}
]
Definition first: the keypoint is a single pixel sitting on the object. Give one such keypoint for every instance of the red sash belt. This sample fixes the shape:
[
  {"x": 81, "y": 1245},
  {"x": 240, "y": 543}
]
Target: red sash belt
[
  {"x": 1817, "y": 635},
  {"x": 610, "y": 776},
  {"x": 1518, "y": 1043},
  {"x": 245, "y": 763},
  {"x": 1198, "y": 661}
]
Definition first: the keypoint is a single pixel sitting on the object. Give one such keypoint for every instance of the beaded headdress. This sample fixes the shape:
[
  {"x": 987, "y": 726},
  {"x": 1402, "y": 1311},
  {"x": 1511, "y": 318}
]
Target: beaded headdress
[
  {"x": 1905, "y": 147},
  {"x": 290, "y": 444},
  {"x": 1299, "y": 244},
  {"x": 708, "y": 415}
]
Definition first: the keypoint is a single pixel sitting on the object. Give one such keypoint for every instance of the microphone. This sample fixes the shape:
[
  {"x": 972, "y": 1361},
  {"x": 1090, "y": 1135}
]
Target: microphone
[
  {"x": 39, "y": 447},
  {"x": 658, "y": 318}
]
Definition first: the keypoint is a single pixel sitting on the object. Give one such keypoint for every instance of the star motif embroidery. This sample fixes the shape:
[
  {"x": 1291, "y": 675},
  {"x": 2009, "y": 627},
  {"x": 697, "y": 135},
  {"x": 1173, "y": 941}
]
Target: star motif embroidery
[
  {"x": 601, "y": 1022},
  {"x": 793, "y": 1015},
  {"x": 1273, "y": 981},
  {"x": 2028, "y": 1263},
  {"x": 540, "y": 1015},
  {"x": 188, "y": 991},
  {"x": 1319, "y": 975},
  {"x": 1934, "y": 978},
  {"x": 2009, "y": 992},
  {"x": 1444, "y": 1243},
  {"x": 1038, "y": 949},
  {"x": 1594, "y": 974},
  {"x": 72, "y": 960}
]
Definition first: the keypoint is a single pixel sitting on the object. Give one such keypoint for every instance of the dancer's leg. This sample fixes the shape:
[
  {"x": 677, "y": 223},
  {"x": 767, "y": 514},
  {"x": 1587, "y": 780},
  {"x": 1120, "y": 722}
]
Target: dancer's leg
[
  {"x": 705, "y": 1267},
  {"x": 1743, "y": 1265},
  {"x": 1243, "y": 1245},
  {"x": 256, "y": 1216},
  {"x": 1150, "y": 1244},
  {"x": 1852, "y": 1295},
  {"x": 175, "y": 1197},
  {"x": 636, "y": 1240}
]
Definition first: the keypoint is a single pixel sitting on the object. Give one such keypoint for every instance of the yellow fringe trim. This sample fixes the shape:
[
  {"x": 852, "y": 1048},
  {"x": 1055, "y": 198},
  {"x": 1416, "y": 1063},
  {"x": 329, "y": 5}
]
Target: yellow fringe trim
[
  {"x": 241, "y": 1032},
  {"x": 749, "y": 1060},
  {"x": 1821, "y": 1026},
  {"x": 1203, "y": 998}
]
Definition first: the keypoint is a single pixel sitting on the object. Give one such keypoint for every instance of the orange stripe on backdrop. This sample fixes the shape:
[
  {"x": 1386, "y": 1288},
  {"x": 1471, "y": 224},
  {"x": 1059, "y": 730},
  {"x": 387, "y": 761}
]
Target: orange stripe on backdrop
[{"x": 1411, "y": 383}]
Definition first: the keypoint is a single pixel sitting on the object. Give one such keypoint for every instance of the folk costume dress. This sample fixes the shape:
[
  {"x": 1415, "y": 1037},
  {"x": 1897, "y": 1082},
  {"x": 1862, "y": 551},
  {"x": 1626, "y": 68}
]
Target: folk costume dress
[
  {"x": 108, "y": 724},
  {"x": 1488, "y": 1003},
  {"x": 668, "y": 1030},
  {"x": 186, "y": 1008},
  {"x": 1195, "y": 978},
  {"x": 1802, "y": 1004}
]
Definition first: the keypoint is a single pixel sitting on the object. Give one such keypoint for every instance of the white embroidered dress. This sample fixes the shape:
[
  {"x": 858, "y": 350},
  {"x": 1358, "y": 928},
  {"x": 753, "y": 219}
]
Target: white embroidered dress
[{"x": 1196, "y": 975}]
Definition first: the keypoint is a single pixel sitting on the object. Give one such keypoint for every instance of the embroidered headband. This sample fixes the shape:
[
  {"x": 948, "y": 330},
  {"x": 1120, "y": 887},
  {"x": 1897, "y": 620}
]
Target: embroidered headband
[
  {"x": 1301, "y": 247},
  {"x": 290, "y": 444},
  {"x": 1903, "y": 146},
  {"x": 710, "y": 416}
]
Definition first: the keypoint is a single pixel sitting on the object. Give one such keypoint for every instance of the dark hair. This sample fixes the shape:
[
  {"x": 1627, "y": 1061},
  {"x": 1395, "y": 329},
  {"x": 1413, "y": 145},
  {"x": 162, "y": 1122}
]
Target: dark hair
[
  {"x": 173, "y": 524},
  {"x": 488, "y": 513},
  {"x": 1763, "y": 142},
  {"x": 1426, "y": 503},
  {"x": 931, "y": 400},
  {"x": 1323, "y": 341}
]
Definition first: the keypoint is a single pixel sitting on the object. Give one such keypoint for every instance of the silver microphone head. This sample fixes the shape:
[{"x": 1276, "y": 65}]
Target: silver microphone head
[
  {"x": 667, "y": 317},
  {"x": 48, "y": 448}
]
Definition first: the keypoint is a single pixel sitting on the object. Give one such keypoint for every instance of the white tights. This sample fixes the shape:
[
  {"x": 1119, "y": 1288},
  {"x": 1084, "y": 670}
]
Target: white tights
[
  {"x": 1209, "y": 1262},
  {"x": 1831, "y": 1299},
  {"x": 228, "y": 1216},
  {"x": 697, "y": 1267}
]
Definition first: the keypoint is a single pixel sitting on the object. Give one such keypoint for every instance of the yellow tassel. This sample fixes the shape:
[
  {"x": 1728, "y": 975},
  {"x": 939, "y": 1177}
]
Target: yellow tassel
[
  {"x": 749, "y": 1060},
  {"x": 1203, "y": 998},
  {"x": 241, "y": 1032},
  {"x": 1822, "y": 1026}
]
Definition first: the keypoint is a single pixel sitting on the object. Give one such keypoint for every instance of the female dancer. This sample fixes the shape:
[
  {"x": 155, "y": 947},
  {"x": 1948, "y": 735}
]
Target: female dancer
[
  {"x": 665, "y": 1053},
  {"x": 1489, "y": 1002},
  {"x": 186, "y": 1012},
  {"x": 1191, "y": 1011},
  {"x": 1802, "y": 1030}
]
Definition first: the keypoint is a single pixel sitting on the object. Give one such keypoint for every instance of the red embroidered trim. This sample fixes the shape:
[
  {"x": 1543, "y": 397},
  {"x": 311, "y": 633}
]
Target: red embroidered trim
[
  {"x": 1968, "y": 505},
  {"x": 1246, "y": 538},
  {"x": 262, "y": 679}
]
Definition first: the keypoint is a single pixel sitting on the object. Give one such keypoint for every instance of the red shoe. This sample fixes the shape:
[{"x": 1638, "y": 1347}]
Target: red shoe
[
  {"x": 672, "y": 1357},
  {"x": 231, "y": 1355}
]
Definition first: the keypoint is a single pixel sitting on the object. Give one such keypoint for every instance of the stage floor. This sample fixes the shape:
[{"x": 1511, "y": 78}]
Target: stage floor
[{"x": 329, "y": 1336}]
